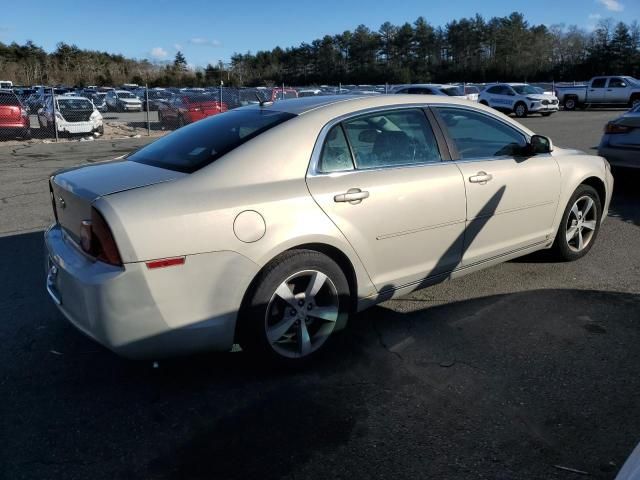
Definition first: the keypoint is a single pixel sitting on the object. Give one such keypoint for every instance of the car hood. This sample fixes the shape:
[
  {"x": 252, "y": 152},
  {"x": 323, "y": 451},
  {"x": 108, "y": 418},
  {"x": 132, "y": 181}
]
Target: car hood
[
  {"x": 540, "y": 96},
  {"x": 92, "y": 181}
]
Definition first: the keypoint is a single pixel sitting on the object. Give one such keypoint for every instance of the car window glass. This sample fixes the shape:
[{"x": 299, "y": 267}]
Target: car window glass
[
  {"x": 193, "y": 147},
  {"x": 598, "y": 83},
  {"x": 400, "y": 137},
  {"x": 617, "y": 83},
  {"x": 477, "y": 135},
  {"x": 335, "y": 155},
  {"x": 494, "y": 90}
]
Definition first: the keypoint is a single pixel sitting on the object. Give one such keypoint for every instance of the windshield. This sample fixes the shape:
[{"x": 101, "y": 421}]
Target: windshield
[
  {"x": 635, "y": 81},
  {"x": 197, "y": 145},
  {"x": 126, "y": 95},
  {"x": 74, "y": 104},
  {"x": 452, "y": 91},
  {"x": 9, "y": 99},
  {"x": 524, "y": 89}
]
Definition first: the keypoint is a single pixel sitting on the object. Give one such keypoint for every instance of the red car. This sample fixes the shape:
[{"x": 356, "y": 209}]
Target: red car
[
  {"x": 14, "y": 119},
  {"x": 184, "y": 109},
  {"x": 274, "y": 94}
]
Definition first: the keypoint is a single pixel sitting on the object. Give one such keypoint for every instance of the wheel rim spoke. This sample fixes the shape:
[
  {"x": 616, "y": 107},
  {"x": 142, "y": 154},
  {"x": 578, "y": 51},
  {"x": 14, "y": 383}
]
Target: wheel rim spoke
[
  {"x": 575, "y": 210},
  {"x": 276, "y": 332},
  {"x": 328, "y": 314},
  {"x": 580, "y": 240},
  {"x": 571, "y": 232},
  {"x": 304, "y": 341},
  {"x": 589, "y": 204},
  {"x": 590, "y": 225},
  {"x": 315, "y": 284},
  {"x": 285, "y": 293}
]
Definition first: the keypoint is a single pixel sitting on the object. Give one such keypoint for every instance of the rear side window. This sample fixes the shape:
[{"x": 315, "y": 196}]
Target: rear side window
[
  {"x": 452, "y": 91},
  {"x": 336, "y": 156},
  {"x": 9, "y": 99},
  {"x": 478, "y": 136},
  {"x": 598, "y": 83},
  {"x": 494, "y": 90},
  {"x": 197, "y": 145},
  {"x": 393, "y": 138}
]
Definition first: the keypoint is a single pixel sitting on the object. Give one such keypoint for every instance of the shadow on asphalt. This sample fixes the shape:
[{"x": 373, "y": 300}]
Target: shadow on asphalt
[{"x": 501, "y": 387}]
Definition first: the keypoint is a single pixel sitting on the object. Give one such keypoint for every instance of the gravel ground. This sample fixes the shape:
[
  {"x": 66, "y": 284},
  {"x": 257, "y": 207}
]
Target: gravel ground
[{"x": 504, "y": 374}]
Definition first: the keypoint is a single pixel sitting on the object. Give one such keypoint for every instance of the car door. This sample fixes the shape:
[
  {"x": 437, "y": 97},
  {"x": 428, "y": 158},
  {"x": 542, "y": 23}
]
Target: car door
[
  {"x": 596, "y": 93},
  {"x": 511, "y": 200},
  {"x": 617, "y": 91},
  {"x": 381, "y": 179}
]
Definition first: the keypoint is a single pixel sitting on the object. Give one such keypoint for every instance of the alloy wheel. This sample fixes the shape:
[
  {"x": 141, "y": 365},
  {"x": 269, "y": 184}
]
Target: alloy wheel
[
  {"x": 520, "y": 110},
  {"x": 302, "y": 314},
  {"x": 581, "y": 223}
]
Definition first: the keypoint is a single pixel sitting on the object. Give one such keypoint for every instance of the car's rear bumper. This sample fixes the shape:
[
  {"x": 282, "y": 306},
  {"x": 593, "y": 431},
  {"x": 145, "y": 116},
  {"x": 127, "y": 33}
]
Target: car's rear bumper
[
  {"x": 143, "y": 313},
  {"x": 619, "y": 156}
]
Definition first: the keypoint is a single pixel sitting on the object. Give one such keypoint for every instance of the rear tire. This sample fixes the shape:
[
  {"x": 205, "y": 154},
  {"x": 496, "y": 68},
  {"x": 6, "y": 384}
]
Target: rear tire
[
  {"x": 278, "y": 318},
  {"x": 579, "y": 226},
  {"x": 634, "y": 101}
]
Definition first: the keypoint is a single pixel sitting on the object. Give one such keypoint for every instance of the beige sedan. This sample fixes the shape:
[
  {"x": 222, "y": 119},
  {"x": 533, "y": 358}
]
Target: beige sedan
[{"x": 269, "y": 225}]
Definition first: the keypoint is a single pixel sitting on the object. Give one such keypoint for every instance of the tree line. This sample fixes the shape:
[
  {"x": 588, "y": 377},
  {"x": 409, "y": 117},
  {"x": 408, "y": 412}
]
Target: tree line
[{"x": 470, "y": 49}]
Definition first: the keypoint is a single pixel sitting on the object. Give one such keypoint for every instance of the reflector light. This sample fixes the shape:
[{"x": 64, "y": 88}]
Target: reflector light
[{"x": 165, "y": 262}]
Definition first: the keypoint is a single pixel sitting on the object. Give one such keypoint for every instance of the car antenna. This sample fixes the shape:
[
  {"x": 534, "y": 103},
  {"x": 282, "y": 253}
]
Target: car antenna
[{"x": 263, "y": 102}]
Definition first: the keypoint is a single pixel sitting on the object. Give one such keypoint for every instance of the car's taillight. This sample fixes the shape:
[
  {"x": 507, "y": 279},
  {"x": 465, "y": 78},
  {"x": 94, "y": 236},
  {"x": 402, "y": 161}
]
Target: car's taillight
[
  {"x": 97, "y": 240},
  {"x": 616, "y": 128},
  {"x": 53, "y": 200}
]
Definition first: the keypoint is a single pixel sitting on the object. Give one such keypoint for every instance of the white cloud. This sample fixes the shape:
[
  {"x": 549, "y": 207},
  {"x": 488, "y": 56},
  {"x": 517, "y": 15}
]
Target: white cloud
[
  {"x": 612, "y": 5},
  {"x": 595, "y": 16},
  {"x": 177, "y": 46},
  {"x": 205, "y": 41},
  {"x": 159, "y": 53}
]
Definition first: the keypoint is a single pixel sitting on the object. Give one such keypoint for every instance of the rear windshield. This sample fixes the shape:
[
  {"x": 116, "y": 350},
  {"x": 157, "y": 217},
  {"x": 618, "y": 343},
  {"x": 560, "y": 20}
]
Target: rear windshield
[
  {"x": 9, "y": 99},
  {"x": 197, "y": 145},
  {"x": 453, "y": 91}
]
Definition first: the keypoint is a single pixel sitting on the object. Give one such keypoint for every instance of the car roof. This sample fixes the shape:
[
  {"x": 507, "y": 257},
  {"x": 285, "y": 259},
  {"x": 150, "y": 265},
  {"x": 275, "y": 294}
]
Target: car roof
[{"x": 300, "y": 106}]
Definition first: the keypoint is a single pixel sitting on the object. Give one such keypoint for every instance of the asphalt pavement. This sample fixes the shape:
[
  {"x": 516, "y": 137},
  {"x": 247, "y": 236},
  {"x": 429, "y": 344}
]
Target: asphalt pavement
[{"x": 508, "y": 373}]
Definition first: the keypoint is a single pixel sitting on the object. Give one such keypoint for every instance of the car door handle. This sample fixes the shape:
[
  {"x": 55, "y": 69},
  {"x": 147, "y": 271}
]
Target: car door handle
[
  {"x": 353, "y": 196},
  {"x": 481, "y": 178}
]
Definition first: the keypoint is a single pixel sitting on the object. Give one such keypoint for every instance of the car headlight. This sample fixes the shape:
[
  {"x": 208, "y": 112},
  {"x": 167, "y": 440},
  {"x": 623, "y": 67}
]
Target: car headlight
[
  {"x": 59, "y": 116},
  {"x": 95, "y": 116}
]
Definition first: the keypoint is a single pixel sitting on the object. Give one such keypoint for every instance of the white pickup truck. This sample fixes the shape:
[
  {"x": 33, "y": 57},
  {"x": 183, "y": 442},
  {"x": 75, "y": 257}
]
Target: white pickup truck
[{"x": 601, "y": 91}]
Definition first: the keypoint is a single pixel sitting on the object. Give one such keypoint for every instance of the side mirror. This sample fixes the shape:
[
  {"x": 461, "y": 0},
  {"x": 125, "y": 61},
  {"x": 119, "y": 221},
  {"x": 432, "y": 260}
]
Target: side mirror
[{"x": 540, "y": 144}]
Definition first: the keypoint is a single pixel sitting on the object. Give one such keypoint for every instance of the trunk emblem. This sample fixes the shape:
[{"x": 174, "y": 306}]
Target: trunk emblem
[{"x": 62, "y": 203}]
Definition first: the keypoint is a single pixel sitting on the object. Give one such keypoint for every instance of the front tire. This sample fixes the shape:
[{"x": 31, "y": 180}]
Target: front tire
[
  {"x": 579, "y": 225},
  {"x": 295, "y": 306},
  {"x": 570, "y": 103},
  {"x": 520, "y": 110}
]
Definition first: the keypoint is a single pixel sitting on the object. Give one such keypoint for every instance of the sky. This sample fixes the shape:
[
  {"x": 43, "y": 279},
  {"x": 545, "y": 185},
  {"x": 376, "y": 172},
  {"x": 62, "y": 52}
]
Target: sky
[{"x": 209, "y": 32}]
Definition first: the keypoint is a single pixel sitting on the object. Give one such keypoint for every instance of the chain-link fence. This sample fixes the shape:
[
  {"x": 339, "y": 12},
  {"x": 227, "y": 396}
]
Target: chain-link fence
[{"x": 56, "y": 113}]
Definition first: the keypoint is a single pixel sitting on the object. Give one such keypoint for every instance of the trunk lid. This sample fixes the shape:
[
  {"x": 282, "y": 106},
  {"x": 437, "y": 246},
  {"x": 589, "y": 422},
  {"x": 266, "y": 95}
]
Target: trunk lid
[
  {"x": 74, "y": 190},
  {"x": 10, "y": 113}
]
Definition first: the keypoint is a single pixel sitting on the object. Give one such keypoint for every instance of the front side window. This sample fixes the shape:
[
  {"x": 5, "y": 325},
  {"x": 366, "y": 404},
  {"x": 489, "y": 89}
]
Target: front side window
[
  {"x": 393, "y": 138},
  {"x": 197, "y": 145},
  {"x": 336, "y": 156},
  {"x": 525, "y": 89},
  {"x": 478, "y": 136},
  {"x": 617, "y": 83}
]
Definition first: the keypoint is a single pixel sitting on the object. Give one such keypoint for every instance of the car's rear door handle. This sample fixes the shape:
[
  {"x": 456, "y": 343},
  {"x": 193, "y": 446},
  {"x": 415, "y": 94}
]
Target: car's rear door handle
[
  {"x": 353, "y": 196},
  {"x": 481, "y": 178}
]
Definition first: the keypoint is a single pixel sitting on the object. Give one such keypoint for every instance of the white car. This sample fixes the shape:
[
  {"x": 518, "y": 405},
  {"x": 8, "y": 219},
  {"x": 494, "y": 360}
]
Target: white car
[
  {"x": 123, "y": 101},
  {"x": 454, "y": 91},
  {"x": 519, "y": 98},
  {"x": 72, "y": 115}
]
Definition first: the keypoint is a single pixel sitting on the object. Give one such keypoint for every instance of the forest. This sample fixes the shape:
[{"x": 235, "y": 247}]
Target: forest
[{"x": 471, "y": 49}]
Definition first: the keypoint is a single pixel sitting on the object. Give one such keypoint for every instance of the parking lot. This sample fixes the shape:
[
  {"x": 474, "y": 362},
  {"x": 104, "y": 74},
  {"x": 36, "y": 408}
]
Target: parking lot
[{"x": 508, "y": 373}]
